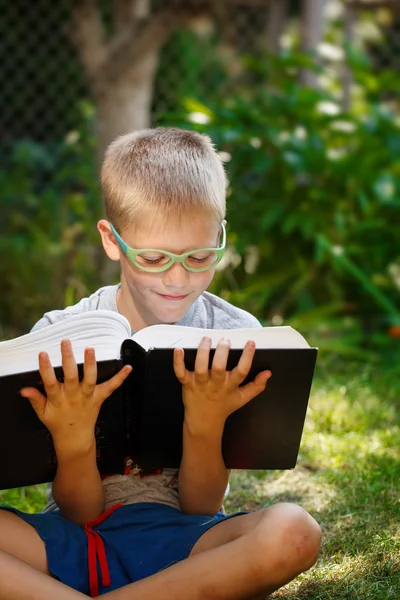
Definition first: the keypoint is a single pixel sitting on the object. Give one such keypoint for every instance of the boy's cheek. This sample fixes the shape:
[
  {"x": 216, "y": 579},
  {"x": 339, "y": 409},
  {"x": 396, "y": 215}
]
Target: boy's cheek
[{"x": 206, "y": 279}]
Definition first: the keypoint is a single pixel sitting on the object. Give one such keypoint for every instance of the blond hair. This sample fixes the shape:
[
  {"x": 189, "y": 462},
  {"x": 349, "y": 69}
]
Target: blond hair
[{"x": 163, "y": 170}]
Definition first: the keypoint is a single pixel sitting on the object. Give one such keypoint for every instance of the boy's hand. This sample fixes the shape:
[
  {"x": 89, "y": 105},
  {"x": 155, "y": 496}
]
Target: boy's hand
[
  {"x": 70, "y": 409},
  {"x": 210, "y": 396}
]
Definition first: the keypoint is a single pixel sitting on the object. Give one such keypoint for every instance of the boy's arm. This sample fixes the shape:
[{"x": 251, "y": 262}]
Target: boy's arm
[
  {"x": 203, "y": 477},
  {"x": 209, "y": 398},
  {"x": 77, "y": 489},
  {"x": 70, "y": 410}
]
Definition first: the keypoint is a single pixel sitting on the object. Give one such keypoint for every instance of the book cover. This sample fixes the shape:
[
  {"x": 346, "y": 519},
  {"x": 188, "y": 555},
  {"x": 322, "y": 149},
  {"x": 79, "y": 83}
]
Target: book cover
[
  {"x": 26, "y": 446},
  {"x": 264, "y": 434},
  {"x": 143, "y": 419}
]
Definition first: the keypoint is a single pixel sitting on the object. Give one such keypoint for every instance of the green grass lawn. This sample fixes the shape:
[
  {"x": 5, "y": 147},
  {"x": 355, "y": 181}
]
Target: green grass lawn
[{"x": 347, "y": 477}]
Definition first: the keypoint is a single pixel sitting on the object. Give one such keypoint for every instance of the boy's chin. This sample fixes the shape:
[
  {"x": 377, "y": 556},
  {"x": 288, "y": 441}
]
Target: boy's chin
[
  {"x": 171, "y": 317},
  {"x": 170, "y": 320}
]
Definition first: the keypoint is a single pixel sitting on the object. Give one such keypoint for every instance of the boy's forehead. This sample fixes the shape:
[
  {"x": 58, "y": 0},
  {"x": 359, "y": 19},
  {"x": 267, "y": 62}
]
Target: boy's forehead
[{"x": 158, "y": 232}]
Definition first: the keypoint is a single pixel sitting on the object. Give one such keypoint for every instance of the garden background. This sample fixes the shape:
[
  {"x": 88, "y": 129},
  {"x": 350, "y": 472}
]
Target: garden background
[{"x": 301, "y": 98}]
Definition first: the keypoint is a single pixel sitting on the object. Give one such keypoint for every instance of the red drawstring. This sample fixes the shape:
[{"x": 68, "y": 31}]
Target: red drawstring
[{"x": 96, "y": 551}]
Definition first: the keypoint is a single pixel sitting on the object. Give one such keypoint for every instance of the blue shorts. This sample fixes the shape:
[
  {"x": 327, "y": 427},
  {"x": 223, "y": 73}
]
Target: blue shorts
[{"x": 125, "y": 544}]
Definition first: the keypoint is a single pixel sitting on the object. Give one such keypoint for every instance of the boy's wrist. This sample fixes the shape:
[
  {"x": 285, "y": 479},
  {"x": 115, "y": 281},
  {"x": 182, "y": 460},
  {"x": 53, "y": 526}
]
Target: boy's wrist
[
  {"x": 207, "y": 430},
  {"x": 74, "y": 449}
]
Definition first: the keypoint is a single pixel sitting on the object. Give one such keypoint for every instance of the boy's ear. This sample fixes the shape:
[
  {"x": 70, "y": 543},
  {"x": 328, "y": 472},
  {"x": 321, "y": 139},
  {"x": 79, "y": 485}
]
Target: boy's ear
[{"x": 108, "y": 240}]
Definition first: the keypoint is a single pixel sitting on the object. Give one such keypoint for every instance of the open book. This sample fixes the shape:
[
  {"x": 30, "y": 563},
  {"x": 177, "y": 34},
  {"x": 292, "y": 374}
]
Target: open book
[{"x": 143, "y": 418}]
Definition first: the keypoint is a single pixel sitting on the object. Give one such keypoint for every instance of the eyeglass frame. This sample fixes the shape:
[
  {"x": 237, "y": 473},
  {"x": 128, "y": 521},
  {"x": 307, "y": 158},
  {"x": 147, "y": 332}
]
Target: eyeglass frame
[{"x": 131, "y": 254}]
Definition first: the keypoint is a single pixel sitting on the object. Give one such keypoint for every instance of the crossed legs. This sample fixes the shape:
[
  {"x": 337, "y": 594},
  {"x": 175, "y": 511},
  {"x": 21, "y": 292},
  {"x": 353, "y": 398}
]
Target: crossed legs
[{"x": 243, "y": 558}]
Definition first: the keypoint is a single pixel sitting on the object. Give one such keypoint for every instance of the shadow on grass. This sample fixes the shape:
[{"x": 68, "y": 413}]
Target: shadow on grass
[
  {"x": 352, "y": 586},
  {"x": 356, "y": 505},
  {"x": 358, "y": 508}
]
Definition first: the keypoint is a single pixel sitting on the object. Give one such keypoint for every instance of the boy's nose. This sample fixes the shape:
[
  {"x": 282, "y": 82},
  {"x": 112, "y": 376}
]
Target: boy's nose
[{"x": 176, "y": 276}]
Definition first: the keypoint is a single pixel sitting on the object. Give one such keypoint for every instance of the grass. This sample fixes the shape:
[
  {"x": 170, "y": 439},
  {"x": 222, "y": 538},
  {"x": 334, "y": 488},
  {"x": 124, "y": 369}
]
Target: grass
[{"x": 347, "y": 477}]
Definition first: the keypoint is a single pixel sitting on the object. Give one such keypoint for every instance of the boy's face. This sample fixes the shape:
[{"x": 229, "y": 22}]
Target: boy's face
[{"x": 153, "y": 298}]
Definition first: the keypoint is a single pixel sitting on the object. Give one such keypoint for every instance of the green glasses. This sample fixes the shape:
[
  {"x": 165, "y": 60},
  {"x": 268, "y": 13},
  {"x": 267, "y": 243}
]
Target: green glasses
[{"x": 153, "y": 260}]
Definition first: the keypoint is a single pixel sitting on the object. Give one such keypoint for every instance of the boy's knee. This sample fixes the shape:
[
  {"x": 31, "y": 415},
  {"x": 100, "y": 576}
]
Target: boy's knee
[{"x": 293, "y": 533}]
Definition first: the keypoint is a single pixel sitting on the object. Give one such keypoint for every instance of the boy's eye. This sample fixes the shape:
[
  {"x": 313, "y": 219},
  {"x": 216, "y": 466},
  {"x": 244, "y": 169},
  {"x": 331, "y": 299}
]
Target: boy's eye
[
  {"x": 201, "y": 259},
  {"x": 160, "y": 259}
]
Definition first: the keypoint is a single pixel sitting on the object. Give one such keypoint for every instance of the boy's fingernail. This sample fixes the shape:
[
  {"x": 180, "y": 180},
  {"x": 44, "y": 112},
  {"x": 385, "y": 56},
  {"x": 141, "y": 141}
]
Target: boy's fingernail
[{"x": 207, "y": 340}]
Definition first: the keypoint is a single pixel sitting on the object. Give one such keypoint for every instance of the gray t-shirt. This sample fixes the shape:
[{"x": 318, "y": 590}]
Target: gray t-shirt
[{"x": 209, "y": 312}]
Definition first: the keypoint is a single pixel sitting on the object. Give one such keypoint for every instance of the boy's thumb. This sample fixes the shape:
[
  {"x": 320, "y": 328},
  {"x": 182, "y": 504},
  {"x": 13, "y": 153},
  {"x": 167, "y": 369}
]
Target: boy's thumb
[
  {"x": 263, "y": 377},
  {"x": 253, "y": 388},
  {"x": 36, "y": 399}
]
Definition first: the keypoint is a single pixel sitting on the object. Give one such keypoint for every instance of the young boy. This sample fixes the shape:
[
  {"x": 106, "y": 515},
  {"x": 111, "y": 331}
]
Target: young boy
[{"x": 150, "y": 535}]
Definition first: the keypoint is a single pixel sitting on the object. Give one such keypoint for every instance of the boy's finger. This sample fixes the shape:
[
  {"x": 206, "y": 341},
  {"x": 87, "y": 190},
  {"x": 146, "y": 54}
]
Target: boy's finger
[
  {"x": 240, "y": 372},
  {"x": 252, "y": 389},
  {"x": 220, "y": 360},
  {"x": 202, "y": 359},
  {"x": 70, "y": 369},
  {"x": 179, "y": 365},
  {"x": 37, "y": 400},
  {"x": 50, "y": 381},
  {"x": 89, "y": 371},
  {"x": 108, "y": 387}
]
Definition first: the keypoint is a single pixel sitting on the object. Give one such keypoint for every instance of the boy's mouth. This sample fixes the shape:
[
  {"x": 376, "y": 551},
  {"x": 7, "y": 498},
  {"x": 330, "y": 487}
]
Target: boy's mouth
[{"x": 170, "y": 297}]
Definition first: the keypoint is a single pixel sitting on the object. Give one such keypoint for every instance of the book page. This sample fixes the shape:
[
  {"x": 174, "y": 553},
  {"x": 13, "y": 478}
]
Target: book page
[
  {"x": 104, "y": 330},
  {"x": 176, "y": 336}
]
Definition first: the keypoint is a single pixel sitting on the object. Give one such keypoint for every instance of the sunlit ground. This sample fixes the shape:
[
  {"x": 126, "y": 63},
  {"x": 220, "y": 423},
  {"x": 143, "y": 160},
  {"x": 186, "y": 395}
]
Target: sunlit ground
[{"x": 348, "y": 478}]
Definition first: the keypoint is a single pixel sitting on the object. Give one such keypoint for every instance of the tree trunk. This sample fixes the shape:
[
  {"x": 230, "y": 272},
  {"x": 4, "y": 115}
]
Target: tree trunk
[
  {"x": 347, "y": 76},
  {"x": 312, "y": 29},
  {"x": 277, "y": 15},
  {"x": 121, "y": 68},
  {"x": 125, "y": 105}
]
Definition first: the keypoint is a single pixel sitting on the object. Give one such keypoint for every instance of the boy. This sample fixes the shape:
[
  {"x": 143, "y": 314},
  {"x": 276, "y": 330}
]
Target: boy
[{"x": 164, "y": 193}]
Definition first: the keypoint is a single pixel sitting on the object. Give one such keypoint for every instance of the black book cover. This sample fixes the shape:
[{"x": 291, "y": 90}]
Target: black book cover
[
  {"x": 264, "y": 434},
  {"x": 143, "y": 418},
  {"x": 26, "y": 447}
]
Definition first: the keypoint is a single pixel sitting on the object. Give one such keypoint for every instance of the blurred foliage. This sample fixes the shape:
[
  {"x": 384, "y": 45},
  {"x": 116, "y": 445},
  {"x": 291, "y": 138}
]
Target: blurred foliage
[
  {"x": 314, "y": 196},
  {"x": 197, "y": 69},
  {"x": 49, "y": 206},
  {"x": 313, "y": 200}
]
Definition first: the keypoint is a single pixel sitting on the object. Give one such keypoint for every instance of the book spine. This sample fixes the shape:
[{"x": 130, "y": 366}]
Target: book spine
[
  {"x": 134, "y": 394},
  {"x": 110, "y": 445}
]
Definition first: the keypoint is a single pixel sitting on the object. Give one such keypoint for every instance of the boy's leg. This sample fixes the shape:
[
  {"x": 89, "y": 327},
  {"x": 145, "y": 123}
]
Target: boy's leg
[
  {"x": 20, "y": 581},
  {"x": 243, "y": 564},
  {"x": 22, "y": 541},
  {"x": 293, "y": 521},
  {"x": 284, "y": 535},
  {"x": 247, "y": 557},
  {"x": 219, "y": 574}
]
